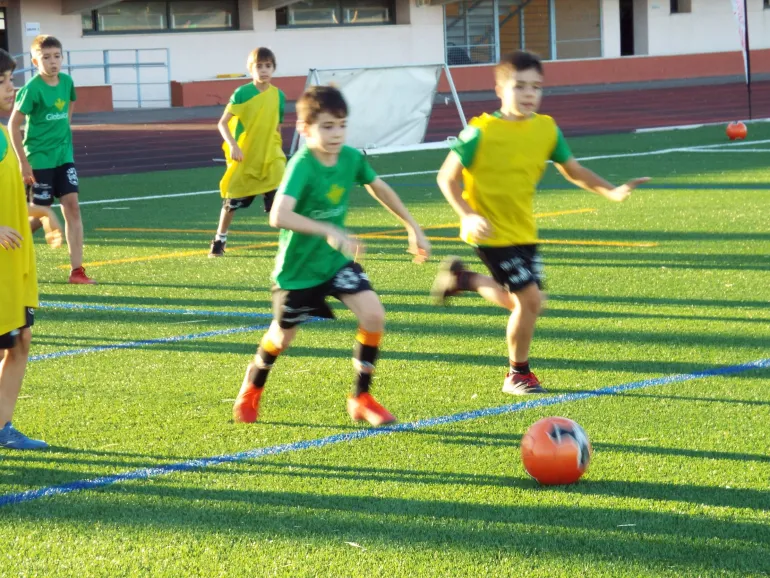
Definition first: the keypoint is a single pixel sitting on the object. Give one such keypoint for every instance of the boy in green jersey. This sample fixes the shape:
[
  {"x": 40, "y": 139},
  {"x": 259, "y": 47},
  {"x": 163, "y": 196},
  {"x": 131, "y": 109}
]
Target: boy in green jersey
[
  {"x": 317, "y": 258},
  {"x": 45, "y": 154}
]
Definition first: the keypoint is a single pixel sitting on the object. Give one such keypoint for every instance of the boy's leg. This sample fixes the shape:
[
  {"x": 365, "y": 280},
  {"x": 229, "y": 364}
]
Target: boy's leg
[
  {"x": 229, "y": 206},
  {"x": 368, "y": 309},
  {"x": 453, "y": 278},
  {"x": 290, "y": 309},
  {"x": 12, "y": 369},
  {"x": 273, "y": 343},
  {"x": 65, "y": 187},
  {"x": 12, "y": 372}
]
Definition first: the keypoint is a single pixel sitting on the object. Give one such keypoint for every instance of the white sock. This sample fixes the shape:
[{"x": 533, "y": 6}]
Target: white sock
[{"x": 221, "y": 237}]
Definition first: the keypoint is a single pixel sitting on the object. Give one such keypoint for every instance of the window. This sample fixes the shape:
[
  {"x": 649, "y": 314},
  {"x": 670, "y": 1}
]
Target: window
[
  {"x": 336, "y": 12},
  {"x": 681, "y": 6},
  {"x": 178, "y": 15},
  {"x": 767, "y": 3}
]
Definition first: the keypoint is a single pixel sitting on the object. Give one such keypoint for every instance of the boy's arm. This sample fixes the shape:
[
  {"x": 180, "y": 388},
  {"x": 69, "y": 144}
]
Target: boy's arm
[
  {"x": 282, "y": 216},
  {"x": 586, "y": 179},
  {"x": 419, "y": 246},
  {"x": 14, "y": 130},
  {"x": 224, "y": 129},
  {"x": 450, "y": 181},
  {"x": 72, "y": 111}
]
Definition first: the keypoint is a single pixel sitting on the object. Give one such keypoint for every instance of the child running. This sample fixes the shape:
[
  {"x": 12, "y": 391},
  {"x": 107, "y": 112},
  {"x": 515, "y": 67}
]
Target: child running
[{"x": 316, "y": 256}]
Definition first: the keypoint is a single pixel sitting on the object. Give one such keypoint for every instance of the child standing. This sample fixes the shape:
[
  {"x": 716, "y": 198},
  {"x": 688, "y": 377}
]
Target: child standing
[
  {"x": 17, "y": 272},
  {"x": 489, "y": 179},
  {"x": 316, "y": 257},
  {"x": 251, "y": 128},
  {"x": 46, "y": 154}
]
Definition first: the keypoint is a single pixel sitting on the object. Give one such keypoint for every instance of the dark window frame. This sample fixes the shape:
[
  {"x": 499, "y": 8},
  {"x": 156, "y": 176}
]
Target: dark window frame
[
  {"x": 94, "y": 31},
  {"x": 282, "y": 13},
  {"x": 681, "y": 6}
]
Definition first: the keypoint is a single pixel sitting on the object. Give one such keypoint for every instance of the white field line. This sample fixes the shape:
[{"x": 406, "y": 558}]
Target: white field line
[
  {"x": 691, "y": 126},
  {"x": 693, "y": 149}
]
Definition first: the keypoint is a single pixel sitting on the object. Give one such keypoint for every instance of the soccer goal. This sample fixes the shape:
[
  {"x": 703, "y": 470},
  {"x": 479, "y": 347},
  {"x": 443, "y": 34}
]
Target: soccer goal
[{"x": 390, "y": 107}]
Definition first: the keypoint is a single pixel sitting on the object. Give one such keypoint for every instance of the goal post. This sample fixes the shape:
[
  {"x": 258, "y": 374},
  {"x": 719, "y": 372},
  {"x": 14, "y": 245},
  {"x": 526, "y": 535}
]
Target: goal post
[{"x": 389, "y": 107}]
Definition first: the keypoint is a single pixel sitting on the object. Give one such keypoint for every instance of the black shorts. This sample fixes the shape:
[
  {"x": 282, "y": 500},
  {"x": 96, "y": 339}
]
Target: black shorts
[
  {"x": 293, "y": 306},
  {"x": 513, "y": 267},
  {"x": 231, "y": 205},
  {"x": 8, "y": 340},
  {"x": 52, "y": 184}
]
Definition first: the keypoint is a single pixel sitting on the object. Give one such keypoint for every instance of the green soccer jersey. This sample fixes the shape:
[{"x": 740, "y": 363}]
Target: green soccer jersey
[
  {"x": 322, "y": 193},
  {"x": 48, "y": 139}
]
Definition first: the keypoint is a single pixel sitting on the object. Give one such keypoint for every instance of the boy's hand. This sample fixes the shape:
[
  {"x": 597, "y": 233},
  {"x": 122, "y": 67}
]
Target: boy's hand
[
  {"x": 236, "y": 153},
  {"x": 475, "y": 227},
  {"x": 9, "y": 238},
  {"x": 622, "y": 192},
  {"x": 419, "y": 246},
  {"x": 348, "y": 246},
  {"x": 27, "y": 175}
]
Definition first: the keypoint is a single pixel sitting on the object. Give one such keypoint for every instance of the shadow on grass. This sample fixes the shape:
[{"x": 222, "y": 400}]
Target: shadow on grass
[{"x": 570, "y": 532}]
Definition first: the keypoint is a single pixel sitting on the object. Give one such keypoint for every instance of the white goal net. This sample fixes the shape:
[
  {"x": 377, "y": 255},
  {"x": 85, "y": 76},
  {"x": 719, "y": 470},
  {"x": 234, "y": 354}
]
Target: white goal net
[{"x": 389, "y": 108}]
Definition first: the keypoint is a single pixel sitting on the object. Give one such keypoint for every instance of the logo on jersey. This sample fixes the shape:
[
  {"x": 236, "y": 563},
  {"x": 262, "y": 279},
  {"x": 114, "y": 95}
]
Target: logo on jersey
[
  {"x": 60, "y": 104},
  {"x": 335, "y": 194}
]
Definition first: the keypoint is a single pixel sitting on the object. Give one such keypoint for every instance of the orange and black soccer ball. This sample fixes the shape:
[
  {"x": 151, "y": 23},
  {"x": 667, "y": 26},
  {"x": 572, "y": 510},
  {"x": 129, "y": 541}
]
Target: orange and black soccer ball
[
  {"x": 737, "y": 131},
  {"x": 555, "y": 451}
]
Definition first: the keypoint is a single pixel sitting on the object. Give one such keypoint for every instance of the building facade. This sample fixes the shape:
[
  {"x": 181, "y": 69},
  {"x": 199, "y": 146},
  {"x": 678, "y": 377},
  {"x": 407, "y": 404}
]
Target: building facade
[{"x": 198, "y": 40}]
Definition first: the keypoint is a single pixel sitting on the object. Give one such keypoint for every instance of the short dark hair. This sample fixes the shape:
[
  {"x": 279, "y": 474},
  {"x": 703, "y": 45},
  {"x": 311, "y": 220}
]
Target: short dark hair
[
  {"x": 261, "y": 54},
  {"x": 43, "y": 41},
  {"x": 318, "y": 99},
  {"x": 517, "y": 61},
  {"x": 7, "y": 62}
]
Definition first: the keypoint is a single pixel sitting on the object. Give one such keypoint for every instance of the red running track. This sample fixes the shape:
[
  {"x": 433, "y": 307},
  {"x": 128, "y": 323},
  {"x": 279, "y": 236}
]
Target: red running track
[{"x": 130, "y": 148}]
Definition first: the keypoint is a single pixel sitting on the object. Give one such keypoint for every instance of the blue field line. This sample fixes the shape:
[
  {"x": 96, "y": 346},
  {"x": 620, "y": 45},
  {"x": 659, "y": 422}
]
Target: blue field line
[
  {"x": 85, "y": 306},
  {"x": 197, "y": 464},
  {"x": 145, "y": 342}
]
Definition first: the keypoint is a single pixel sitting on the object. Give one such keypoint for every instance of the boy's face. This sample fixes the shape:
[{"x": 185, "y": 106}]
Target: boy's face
[
  {"x": 48, "y": 61},
  {"x": 327, "y": 134},
  {"x": 7, "y": 91},
  {"x": 522, "y": 94},
  {"x": 263, "y": 71}
]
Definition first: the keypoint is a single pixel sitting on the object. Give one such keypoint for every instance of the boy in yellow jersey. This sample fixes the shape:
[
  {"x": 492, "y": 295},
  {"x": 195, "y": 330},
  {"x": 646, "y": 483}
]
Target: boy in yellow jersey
[
  {"x": 489, "y": 179},
  {"x": 45, "y": 153},
  {"x": 17, "y": 271},
  {"x": 316, "y": 257},
  {"x": 251, "y": 127}
]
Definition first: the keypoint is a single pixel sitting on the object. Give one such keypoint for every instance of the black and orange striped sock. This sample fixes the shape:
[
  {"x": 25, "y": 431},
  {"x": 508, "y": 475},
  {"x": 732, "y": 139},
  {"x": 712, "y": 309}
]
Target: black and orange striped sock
[
  {"x": 266, "y": 356},
  {"x": 364, "y": 357}
]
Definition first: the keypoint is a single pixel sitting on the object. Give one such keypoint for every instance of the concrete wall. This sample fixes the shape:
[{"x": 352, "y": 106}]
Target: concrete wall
[
  {"x": 200, "y": 55},
  {"x": 710, "y": 27}
]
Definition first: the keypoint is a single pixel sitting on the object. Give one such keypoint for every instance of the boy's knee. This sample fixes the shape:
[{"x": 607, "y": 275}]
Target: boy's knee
[{"x": 373, "y": 319}]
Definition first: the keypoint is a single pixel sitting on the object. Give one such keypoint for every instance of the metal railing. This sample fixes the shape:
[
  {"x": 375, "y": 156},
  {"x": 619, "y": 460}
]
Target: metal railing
[{"x": 140, "y": 77}]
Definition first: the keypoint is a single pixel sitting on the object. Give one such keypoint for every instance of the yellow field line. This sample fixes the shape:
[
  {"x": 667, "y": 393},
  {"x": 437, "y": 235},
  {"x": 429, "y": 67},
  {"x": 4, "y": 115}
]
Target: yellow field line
[
  {"x": 540, "y": 241},
  {"x": 386, "y": 234},
  {"x": 169, "y": 255},
  {"x": 207, "y": 231}
]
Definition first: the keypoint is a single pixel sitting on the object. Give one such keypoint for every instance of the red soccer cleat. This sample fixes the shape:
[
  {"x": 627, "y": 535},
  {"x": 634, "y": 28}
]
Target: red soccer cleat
[
  {"x": 246, "y": 407},
  {"x": 365, "y": 408},
  {"x": 522, "y": 384},
  {"x": 78, "y": 277}
]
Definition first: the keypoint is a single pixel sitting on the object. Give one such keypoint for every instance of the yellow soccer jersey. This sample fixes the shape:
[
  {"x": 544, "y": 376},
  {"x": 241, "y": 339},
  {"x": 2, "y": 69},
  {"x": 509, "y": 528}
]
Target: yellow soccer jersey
[
  {"x": 503, "y": 163},
  {"x": 256, "y": 116},
  {"x": 18, "y": 277}
]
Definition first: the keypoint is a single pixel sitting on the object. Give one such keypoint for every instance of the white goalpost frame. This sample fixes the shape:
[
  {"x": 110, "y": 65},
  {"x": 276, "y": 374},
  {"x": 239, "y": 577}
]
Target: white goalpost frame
[{"x": 313, "y": 78}]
